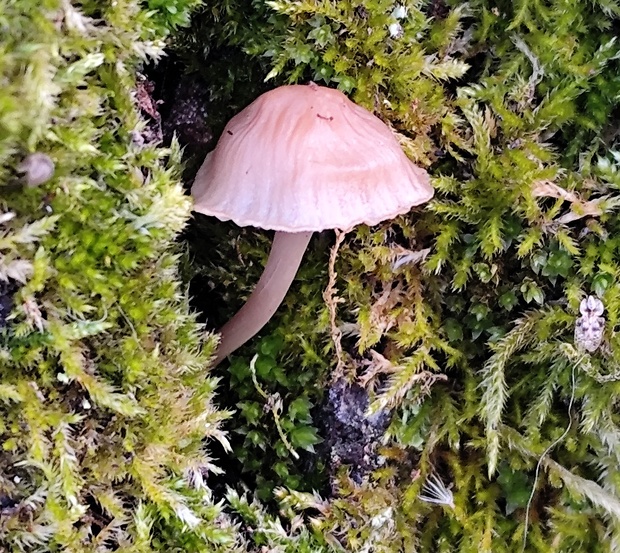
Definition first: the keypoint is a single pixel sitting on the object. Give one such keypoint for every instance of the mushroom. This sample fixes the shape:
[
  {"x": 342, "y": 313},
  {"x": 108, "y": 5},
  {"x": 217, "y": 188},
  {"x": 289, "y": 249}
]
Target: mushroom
[{"x": 300, "y": 159}]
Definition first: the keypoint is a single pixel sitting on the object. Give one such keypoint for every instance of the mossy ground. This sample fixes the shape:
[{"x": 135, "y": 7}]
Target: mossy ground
[
  {"x": 106, "y": 406},
  {"x": 457, "y": 318}
]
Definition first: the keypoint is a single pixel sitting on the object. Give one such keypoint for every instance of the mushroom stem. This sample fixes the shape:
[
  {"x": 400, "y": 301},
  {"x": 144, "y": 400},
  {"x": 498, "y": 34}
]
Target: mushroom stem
[{"x": 285, "y": 257}]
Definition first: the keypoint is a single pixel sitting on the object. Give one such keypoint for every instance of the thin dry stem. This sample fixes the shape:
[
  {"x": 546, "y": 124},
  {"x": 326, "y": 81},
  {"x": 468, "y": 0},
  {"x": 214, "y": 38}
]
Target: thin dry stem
[{"x": 331, "y": 300}]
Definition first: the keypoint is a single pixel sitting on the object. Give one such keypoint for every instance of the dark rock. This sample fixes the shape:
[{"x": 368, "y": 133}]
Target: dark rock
[
  {"x": 351, "y": 438},
  {"x": 438, "y": 9},
  {"x": 188, "y": 114},
  {"x": 7, "y": 290}
]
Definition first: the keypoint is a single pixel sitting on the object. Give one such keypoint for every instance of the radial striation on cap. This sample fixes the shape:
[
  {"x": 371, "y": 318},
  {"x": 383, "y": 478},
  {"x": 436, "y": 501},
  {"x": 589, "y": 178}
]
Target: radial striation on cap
[{"x": 306, "y": 158}]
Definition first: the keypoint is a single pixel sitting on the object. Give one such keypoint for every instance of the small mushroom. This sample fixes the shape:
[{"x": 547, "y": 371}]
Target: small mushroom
[
  {"x": 36, "y": 169},
  {"x": 300, "y": 159}
]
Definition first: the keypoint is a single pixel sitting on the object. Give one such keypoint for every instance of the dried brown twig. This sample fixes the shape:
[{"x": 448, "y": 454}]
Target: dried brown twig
[{"x": 331, "y": 300}]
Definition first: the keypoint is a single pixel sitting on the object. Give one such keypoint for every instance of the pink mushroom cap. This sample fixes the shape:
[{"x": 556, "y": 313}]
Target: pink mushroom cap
[{"x": 306, "y": 158}]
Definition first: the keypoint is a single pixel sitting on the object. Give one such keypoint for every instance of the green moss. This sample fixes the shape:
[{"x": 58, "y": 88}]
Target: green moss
[
  {"x": 106, "y": 406},
  {"x": 459, "y": 317},
  {"x": 512, "y": 108}
]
